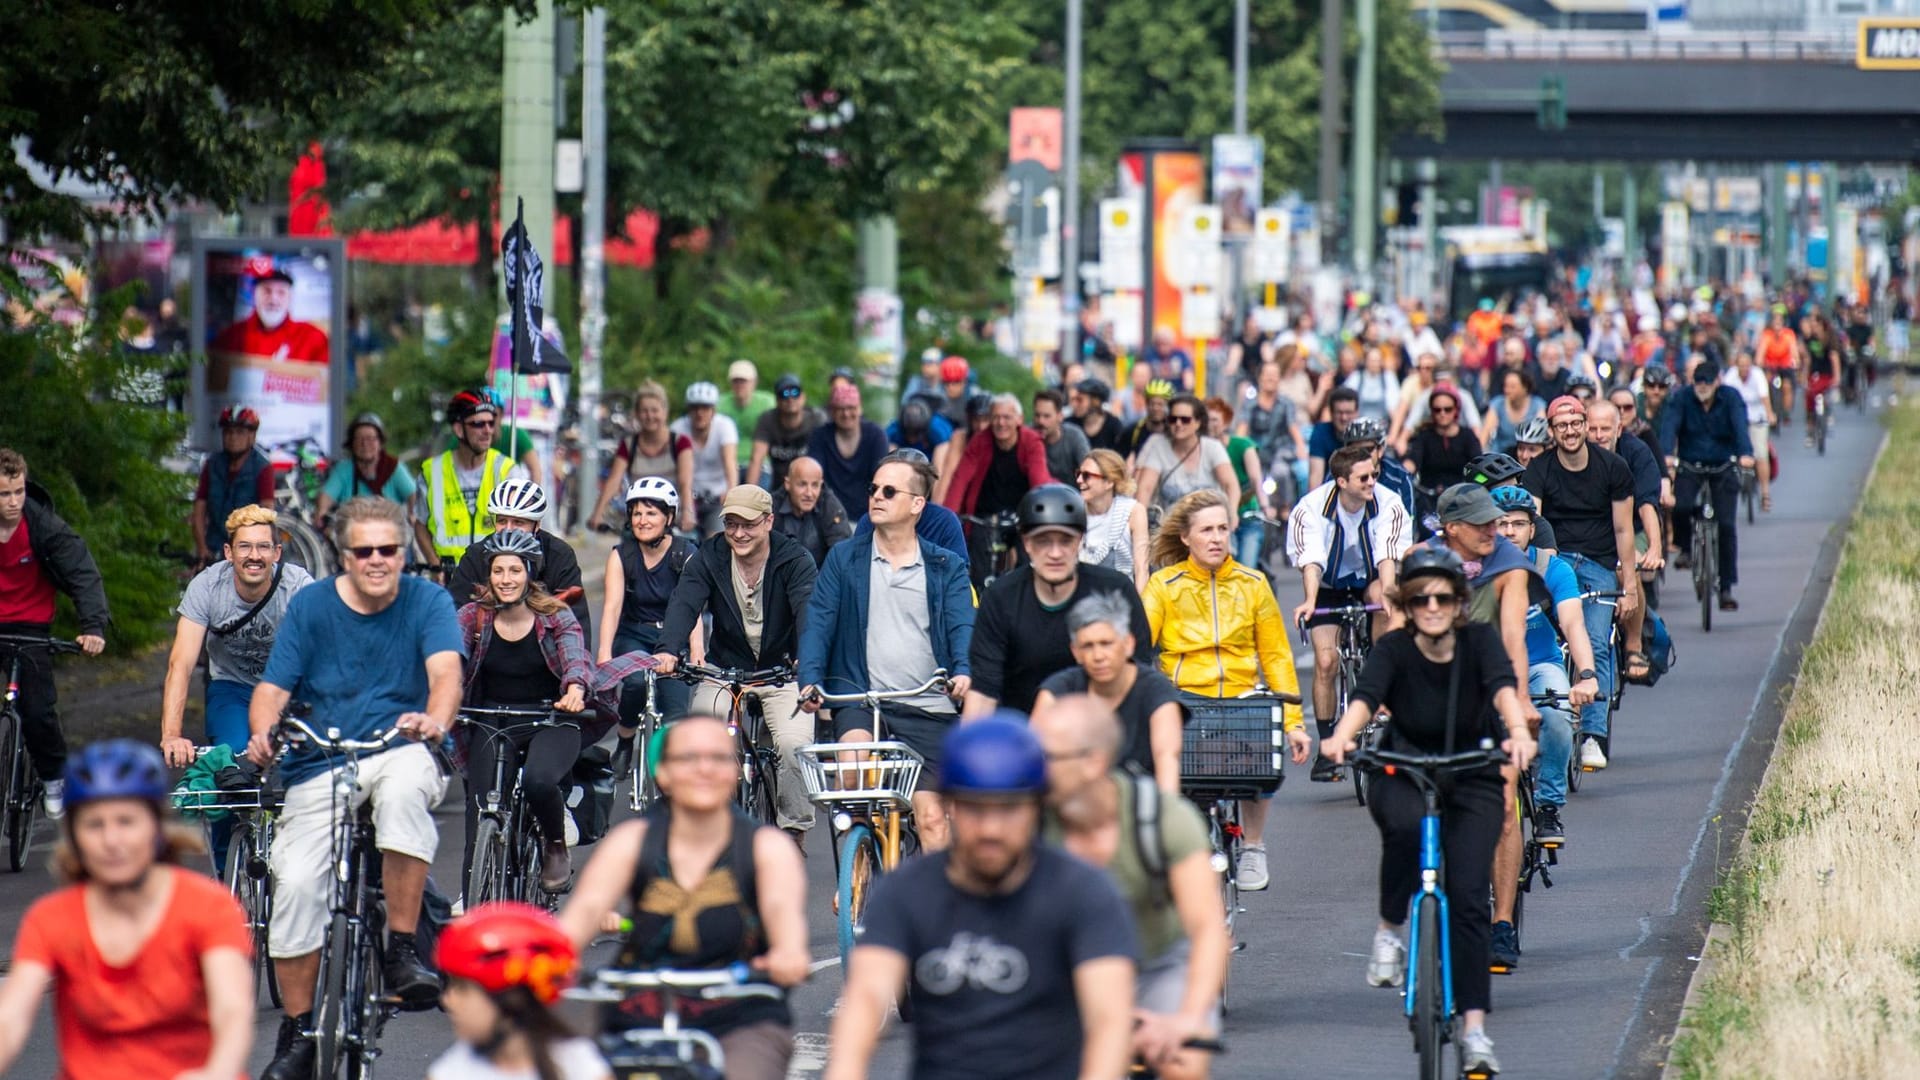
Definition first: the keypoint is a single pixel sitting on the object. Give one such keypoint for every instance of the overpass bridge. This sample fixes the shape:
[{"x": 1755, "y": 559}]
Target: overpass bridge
[{"x": 1640, "y": 96}]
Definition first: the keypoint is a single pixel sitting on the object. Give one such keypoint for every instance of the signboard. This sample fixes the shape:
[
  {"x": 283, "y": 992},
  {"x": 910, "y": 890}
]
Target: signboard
[
  {"x": 1196, "y": 247},
  {"x": 1237, "y": 161},
  {"x": 1272, "y": 241},
  {"x": 1200, "y": 315},
  {"x": 1175, "y": 181},
  {"x": 1888, "y": 45},
  {"x": 1035, "y": 135},
  {"x": 1676, "y": 242},
  {"x": 1030, "y": 212},
  {"x": 1120, "y": 247},
  {"x": 1126, "y": 314},
  {"x": 271, "y": 315},
  {"x": 1846, "y": 250},
  {"x": 1040, "y": 322}
]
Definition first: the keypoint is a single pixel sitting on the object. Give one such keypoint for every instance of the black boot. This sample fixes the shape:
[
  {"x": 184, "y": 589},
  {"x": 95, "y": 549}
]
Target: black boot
[
  {"x": 407, "y": 977},
  {"x": 293, "y": 1050}
]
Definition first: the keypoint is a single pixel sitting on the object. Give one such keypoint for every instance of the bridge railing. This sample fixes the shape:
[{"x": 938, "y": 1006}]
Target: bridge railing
[{"x": 1644, "y": 45}]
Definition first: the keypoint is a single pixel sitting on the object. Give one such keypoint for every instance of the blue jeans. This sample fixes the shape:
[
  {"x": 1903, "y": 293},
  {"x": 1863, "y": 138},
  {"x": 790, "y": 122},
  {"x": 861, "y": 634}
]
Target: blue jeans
[
  {"x": 1556, "y": 735},
  {"x": 227, "y": 703},
  {"x": 1595, "y": 719},
  {"x": 1248, "y": 538}
]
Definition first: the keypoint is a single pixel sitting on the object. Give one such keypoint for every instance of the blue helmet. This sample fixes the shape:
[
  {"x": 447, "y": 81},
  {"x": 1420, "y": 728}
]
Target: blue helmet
[
  {"x": 1512, "y": 497},
  {"x": 992, "y": 757},
  {"x": 116, "y": 769}
]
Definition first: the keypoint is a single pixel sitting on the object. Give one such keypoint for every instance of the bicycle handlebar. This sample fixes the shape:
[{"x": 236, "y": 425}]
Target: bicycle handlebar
[
  {"x": 730, "y": 677},
  {"x": 1702, "y": 469},
  {"x": 732, "y": 981},
  {"x": 532, "y": 713},
  {"x": 332, "y": 742},
  {"x": 37, "y": 641},
  {"x": 938, "y": 682},
  {"x": 1278, "y": 695},
  {"x": 1429, "y": 764}
]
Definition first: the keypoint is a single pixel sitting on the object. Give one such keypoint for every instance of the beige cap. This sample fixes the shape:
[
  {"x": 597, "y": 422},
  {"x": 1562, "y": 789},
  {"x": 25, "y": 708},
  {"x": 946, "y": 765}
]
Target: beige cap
[
  {"x": 743, "y": 369},
  {"x": 747, "y": 500}
]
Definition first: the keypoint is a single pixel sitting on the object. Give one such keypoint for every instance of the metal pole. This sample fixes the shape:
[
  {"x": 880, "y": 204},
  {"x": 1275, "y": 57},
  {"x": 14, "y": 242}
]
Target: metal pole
[
  {"x": 1776, "y": 225},
  {"x": 1330, "y": 94},
  {"x": 1630, "y": 221},
  {"x": 1429, "y": 174},
  {"x": 526, "y": 124},
  {"x": 1366, "y": 180},
  {"x": 593, "y": 268},
  {"x": 1070, "y": 211},
  {"x": 1239, "y": 63}
]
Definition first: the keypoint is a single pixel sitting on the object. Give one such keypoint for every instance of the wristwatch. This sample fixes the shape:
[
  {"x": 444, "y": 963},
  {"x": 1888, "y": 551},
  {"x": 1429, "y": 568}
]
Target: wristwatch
[{"x": 1588, "y": 673}]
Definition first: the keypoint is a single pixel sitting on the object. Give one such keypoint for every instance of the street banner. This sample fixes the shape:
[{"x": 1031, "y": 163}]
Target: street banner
[
  {"x": 1120, "y": 246},
  {"x": 1200, "y": 315},
  {"x": 271, "y": 316},
  {"x": 1237, "y": 163}
]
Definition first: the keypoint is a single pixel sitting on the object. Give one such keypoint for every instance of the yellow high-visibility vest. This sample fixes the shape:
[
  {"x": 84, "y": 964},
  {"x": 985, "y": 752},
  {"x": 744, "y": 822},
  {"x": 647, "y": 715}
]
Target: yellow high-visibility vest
[{"x": 455, "y": 525}]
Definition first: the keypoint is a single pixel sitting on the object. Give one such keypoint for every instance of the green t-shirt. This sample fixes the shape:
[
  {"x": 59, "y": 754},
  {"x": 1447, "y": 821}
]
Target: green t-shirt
[
  {"x": 1237, "y": 447},
  {"x": 744, "y": 417},
  {"x": 1183, "y": 831}
]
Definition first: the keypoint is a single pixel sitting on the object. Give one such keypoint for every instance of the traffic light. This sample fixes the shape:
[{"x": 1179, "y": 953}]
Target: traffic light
[{"x": 1553, "y": 103}]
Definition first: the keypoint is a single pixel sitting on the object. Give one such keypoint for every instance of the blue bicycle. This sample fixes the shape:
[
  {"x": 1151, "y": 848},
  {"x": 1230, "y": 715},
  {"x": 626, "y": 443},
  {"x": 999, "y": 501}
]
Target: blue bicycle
[{"x": 1429, "y": 989}]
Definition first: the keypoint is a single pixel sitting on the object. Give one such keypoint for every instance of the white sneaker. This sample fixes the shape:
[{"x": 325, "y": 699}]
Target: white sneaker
[
  {"x": 54, "y": 800},
  {"x": 1251, "y": 874},
  {"x": 1476, "y": 1053},
  {"x": 1591, "y": 756},
  {"x": 1388, "y": 965}
]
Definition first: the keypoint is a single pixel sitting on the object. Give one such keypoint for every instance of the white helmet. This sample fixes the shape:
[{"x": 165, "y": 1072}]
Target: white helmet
[
  {"x": 518, "y": 499},
  {"x": 703, "y": 393},
  {"x": 654, "y": 489}
]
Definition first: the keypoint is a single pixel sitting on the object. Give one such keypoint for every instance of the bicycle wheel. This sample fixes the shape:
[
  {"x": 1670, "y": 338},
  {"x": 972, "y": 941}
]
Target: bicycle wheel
[
  {"x": 1710, "y": 574},
  {"x": 1427, "y": 1012},
  {"x": 1574, "y": 771},
  {"x": 18, "y": 809},
  {"x": 860, "y": 868},
  {"x": 255, "y": 896},
  {"x": 302, "y": 545},
  {"x": 487, "y": 877},
  {"x": 333, "y": 1012}
]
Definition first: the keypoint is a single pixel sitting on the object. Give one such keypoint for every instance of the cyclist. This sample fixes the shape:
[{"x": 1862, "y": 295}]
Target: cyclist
[
  {"x": 716, "y": 449},
  {"x": 1346, "y": 537},
  {"x": 1020, "y": 957},
  {"x": 1656, "y": 387},
  {"x": 754, "y": 584},
  {"x": 1272, "y": 420},
  {"x": 1158, "y": 395},
  {"x": 1583, "y": 386},
  {"x": 1649, "y": 487},
  {"x": 149, "y": 964},
  {"x": 1021, "y": 636},
  {"x": 1116, "y": 521},
  {"x": 849, "y": 449},
  {"x": 804, "y": 509},
  {"x": 1372, "y": 434},
  {"x": 458, "y": 483},
  {"x": 920, "y": 428},
  {"x": 1103, "y": 430},
  {"x": 1438, "y": 450},
  {"x": 523, "y": 647},
  {"x": 1709, "y": 428},
  {"x": 1184, "y": 459},
  {"x": 642, "y": 571},
  {"x": 782, "y": 432},
  {"x": 889, "y": 609},
  {"x": 1495, "y": 471},
  {"x": 1446, "y": 683},
  {"x": 369, "y": 649},
  {"x": 1066, "y": 445},
  {"x": 1511, "y": 411},
  {"x": 1533, "y": 439},
  {"x": 1146, "y": 702},
  {"x": 506, "y": 965},
  {"x": 40, "y": 556},
  {"x": 1250, "y": 535},
  {"x": 654, "y": 450},
  {"x": 1219, "y": 632},
  {"x": 513, "y": 440},
  {"x": 1098, "y": 812},
  {"x": 744, "y": 403},
  {"x": 704, "y": 886},
  {"x": 367, "y": 470},
  {"x": 937, "y": 525},
  {"x": 1586, "y": 492},
  {"x": 520, "y": 506},
  {"x": 1752, "y": 384},
  {"x": 236, "y": 475},
  {"x": 993, "y": 475},
  {"x": 1820, "y": 360}
]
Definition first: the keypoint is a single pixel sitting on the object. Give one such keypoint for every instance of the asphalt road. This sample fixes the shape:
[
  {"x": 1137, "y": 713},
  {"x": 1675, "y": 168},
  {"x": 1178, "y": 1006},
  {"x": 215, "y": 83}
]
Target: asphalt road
[{"x": 1609, "y": 948}]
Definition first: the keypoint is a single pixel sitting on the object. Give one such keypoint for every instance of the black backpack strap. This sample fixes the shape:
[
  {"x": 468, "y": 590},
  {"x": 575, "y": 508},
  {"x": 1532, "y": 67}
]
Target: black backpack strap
[
  {"x": 279, "y": 569},
  {"x": 653, "y": 848},
  {"x": 745, "y": 830},
  {"x": 1149, "y": 840}
]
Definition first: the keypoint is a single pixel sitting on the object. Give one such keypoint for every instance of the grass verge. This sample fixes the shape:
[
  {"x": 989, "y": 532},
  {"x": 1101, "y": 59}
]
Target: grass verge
[{"x": 1816, "y": 972}]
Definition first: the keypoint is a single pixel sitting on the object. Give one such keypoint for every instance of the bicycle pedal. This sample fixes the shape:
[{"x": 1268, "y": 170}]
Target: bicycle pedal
[
  {"x": 1500, "y": 969},
  {"x": 1478, "y": 1074}
]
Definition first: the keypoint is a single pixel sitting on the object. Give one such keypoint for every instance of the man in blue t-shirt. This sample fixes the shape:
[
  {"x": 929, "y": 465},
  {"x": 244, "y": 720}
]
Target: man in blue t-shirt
[
  {"x": 369, "y": 649},
  {"x": 1329, "y": 435},
  {"x": 1021, "y": 958}
]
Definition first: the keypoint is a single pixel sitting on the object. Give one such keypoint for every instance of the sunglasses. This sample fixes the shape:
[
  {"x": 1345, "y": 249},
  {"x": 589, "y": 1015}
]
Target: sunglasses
[
  {"x": 791, "y": 394},
  {"x": 1363, "y": 478},
  {"x": 1444, "y": 410},
  {"x": 1183, "y": 419},
  {"x": 483, "y": 424},
  {"x": 1433, "y": 601},
  {"x": 888, "y": 491},
  {"x": 385, "y": 551},
  {"x": 1089, "y": 474}
]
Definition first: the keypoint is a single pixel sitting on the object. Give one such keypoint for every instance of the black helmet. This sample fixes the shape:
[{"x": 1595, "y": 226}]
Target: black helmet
[
  {"x": 979, "y": 405},
  {"x": 1425, "y": 561},
  {"x": 523, "y": 545},
  {"x": 1657, "y": 375},
  {"x": 1053, "y": 506},
  {"x": 1363, "y": 429},
  {"x": 1490, "y": 469},
  {"x": 915, "y": 416}
]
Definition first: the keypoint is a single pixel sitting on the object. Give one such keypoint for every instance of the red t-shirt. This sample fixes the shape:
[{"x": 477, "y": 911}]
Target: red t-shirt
[
  {"x": 302, "y": 342},
  {"x": 148, "y": 1018},
  {"x": 26, "y": 592}
]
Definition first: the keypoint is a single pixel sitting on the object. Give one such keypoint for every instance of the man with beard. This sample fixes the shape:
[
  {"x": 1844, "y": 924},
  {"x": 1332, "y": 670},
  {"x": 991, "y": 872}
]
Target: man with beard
[
  {"x": 782, "y": 432},
  {"x": 268, "y": 332},
  {"x": 1088, "y": 400},
  {"x": 1020, "y": 958},
  {"x": 806, "y": 511}
]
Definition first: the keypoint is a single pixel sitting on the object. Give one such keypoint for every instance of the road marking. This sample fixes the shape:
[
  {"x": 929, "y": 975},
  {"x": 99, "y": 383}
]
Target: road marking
[{"x": 809, "y": 1055}]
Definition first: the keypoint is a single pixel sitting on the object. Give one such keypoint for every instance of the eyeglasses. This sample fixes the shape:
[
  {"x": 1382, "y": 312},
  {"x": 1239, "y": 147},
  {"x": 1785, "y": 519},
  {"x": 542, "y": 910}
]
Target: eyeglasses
[
  {"x": 254, "y": 549},
  {"x": 713, "y": 760},
  {"x": 1177, "y": 419},
  {"x": 1568, "y": 425},
  {"x": 385, "y": 551},
  {"x": 888, "y": 491},
  {"x": 741, "y": 528},
  {"x": 1433, "y": 601},
  {"x": 1089, "y": 474},
  {"x": 1444, "y": 410}
]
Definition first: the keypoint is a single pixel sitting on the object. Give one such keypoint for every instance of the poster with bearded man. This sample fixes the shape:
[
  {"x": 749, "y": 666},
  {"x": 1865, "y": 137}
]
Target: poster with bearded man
[{"x": 268, "y": 317}]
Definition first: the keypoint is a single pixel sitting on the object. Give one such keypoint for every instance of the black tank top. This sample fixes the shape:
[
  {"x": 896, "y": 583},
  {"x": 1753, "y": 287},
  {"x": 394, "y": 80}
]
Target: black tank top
[
  {"x": 516, "y": 672},
  {"x": 647, "y": 589}
]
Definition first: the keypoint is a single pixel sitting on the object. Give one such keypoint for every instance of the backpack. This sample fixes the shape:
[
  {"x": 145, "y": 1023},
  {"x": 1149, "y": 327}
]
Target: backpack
[
  {"x": 1149, "y": 841},
  {"x": 1661, "y": 655}
]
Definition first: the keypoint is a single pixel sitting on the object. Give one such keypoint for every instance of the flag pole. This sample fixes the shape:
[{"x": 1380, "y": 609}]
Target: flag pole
[{"x": 515, "y": 306}]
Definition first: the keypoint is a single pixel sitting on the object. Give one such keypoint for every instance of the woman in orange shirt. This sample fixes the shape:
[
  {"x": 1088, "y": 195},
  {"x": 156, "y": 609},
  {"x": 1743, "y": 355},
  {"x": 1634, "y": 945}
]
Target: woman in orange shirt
[{"x": 149, "y": 963}]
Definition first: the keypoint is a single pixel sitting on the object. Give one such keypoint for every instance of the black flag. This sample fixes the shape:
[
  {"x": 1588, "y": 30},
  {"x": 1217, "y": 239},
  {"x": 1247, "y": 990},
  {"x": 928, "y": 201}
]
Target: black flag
[{"x": 533, "y": 354}]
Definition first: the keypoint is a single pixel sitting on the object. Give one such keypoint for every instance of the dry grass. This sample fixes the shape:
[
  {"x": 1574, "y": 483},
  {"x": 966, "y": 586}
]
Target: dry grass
[{"x": 1820, "y": 972}]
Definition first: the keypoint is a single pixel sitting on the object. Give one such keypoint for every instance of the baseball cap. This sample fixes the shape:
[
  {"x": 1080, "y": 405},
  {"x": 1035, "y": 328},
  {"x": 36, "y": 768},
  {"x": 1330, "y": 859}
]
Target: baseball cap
[
  {"x": 748, "y": 501},
  {"x": 844, "y": 394},
  {"x": 1094, "y": 389},
  {"x": 742, "y": 369},
  {"x": 1706, "y": 371},
  {"x": 1467, "y": 503},
  {"x": 1566, "y": 405},
  {"x": 788, "y": 386},
  {"x": 273, "y": 274}
]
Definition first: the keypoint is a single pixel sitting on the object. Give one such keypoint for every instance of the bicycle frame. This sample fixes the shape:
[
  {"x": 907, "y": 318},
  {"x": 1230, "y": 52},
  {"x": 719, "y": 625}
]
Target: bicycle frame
[
  {"x": 513, "y": 820},
  {"x": 640, "y": 1047},
  {"x": 643, "y": 791},
  {"x": 759, "y": 763}
]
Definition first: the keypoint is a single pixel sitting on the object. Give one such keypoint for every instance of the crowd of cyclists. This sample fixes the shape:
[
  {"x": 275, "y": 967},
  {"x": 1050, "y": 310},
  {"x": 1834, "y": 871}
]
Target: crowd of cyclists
[{"x": 1042, "y": 600}]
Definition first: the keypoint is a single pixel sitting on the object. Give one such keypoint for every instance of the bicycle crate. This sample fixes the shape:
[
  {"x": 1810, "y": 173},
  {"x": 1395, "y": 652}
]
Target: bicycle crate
[
  {"x": 870, "y": 772},
  {"x": 1232, "y": 746}
]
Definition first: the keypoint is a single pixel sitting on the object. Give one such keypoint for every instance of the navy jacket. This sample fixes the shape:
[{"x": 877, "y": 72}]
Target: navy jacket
[
  {"x": 1701, "y": 433},
  {"x": 937, "y": 523},
  {"x": 833, "y": 644}
]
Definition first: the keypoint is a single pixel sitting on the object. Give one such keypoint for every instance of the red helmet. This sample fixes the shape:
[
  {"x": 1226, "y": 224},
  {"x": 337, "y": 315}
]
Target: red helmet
[
  {"x": 504, "y": 945},
  {"x": 468, "y": 402},
  {"x": 954, "y": 369},
  {"x": 239, "y": 416}
]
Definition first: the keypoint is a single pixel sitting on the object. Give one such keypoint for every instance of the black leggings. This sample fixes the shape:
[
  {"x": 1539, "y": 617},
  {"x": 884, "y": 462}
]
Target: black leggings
[
  {"x": 1725, "y": 489},
  {"x": 547, "y": 753},
  {"x": 39, "y": 714},
  {"x": 1472, "y": 814}
]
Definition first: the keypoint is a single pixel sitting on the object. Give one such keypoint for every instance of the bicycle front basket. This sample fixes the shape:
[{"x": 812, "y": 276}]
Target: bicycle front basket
[{"x": 1232, "y": 746}]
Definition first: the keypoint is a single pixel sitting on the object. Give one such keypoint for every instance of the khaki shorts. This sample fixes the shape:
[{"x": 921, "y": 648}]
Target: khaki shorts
[
  {"x": 404, "y": 786},
  {"x": 1162, "y": 984}
]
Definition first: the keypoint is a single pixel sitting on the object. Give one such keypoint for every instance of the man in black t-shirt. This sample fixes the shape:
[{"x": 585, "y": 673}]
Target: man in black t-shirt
[
  {"x": 1088, "y": 400},
  {"x": 781, "y": 433},
  {"x": 1020, "y": 957},
  {"x": 1587, "y": 494},
  {"x": 1020, "y": 633}
]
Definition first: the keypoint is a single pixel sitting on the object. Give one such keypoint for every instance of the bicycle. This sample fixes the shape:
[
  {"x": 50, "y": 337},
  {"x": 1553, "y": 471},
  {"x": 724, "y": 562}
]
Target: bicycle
[
  {"x": 255, "y": 812},
  {"x": 644, "y": 792},
  {"x": 1429, "y": 1004},
  {"x": 670, "y": 1051},
  {"x": 348, "y": 1009},
  {"x": 1749, "y": 490},
  {"x": 1002, "y": 553},
  {"x": 1616, "y": 689},
  {"x": 1705, "y": 550},
  {"x": 1821, "y": 421},
  {"x": 1355, "y": 641},
  {"x": 759, "y": 758},
  {"x": 24, "y": 789},
  {"x": 867, "y": 789},
  {"x": 506, "y": 839},
  {"x": 1538, "y": 856}
]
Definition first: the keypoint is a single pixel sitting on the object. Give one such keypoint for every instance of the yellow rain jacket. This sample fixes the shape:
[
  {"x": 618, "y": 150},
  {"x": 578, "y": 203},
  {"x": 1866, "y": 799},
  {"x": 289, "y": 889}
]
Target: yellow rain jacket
[{"x": 1218, "y": 633}]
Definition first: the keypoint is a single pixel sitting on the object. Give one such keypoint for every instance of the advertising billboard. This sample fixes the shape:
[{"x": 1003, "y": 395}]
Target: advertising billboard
[{"x": 270, "y": 316}]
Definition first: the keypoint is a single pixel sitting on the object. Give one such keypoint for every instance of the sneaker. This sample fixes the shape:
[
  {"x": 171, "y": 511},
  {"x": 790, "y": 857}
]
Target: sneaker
[
  {"x": 408, "y": 978},
  {"x": 53, "y": 799},
  {"x": 1546, "y": 825},
  {"x": 293, "y": 1051},
  {"x": 1388, "y": 964},
  {"x": 1682, "y": 561},
  {"x": 1505, "y": 950},
  {"x": 1592, "y": 757},
  {"x": 1476, "y": 1053},
  {"x": 1251, "y": 874},
  {"x": 1324, "y": 770},
  {"x": 1728, "y": 603}
]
